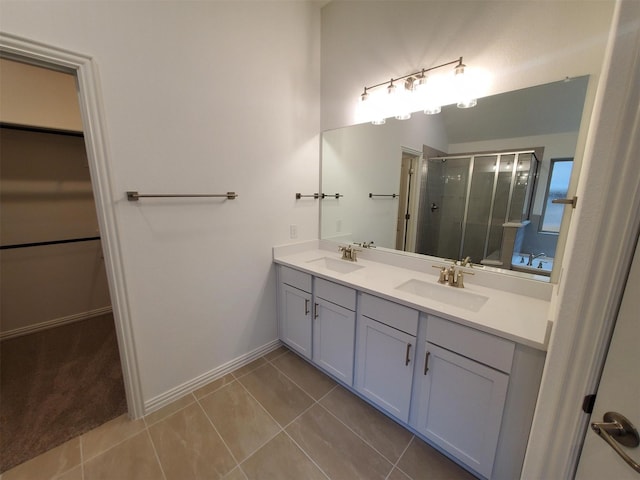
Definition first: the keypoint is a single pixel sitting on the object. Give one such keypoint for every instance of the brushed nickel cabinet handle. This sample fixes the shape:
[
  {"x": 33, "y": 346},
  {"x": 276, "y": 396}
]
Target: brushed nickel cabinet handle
[
  {"x": 426, "y": 363},
  {"x": 306, "y": 306},
  {"x": 407, "y": 360}
]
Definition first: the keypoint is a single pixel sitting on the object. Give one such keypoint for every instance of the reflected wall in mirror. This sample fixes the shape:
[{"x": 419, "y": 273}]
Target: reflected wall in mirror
[{"x": 464, "y": 183}]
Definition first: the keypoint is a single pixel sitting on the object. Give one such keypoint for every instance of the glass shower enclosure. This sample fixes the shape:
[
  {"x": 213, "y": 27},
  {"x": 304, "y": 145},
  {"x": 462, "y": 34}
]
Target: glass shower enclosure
[{"x": 467, "y": 201}]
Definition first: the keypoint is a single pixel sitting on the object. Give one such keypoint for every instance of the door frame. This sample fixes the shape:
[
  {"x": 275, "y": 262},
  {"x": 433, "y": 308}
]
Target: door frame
[
  {"x": 84, "y": 68},
  {"x": 600, "y": 246},
  {"x": 411, "y": 202}
]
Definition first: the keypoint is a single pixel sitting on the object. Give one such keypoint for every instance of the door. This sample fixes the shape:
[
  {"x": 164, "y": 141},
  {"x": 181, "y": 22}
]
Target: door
[
  {"x": 443, "y": 207},
  {"x": 460, "y": 406},
  {"x": 407, "y": 206},
  {"x": 619, "y": 389},
  {"x": 296, "y": 319},
  {"x": 385, "y": 366},
  {"x": 334, "y": 332}
]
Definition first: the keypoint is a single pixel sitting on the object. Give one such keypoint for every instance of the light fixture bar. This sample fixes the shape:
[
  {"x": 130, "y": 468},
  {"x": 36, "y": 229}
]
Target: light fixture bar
[
  {"x": 419, "y": 72},
  {"x": 416, "y": 91}
]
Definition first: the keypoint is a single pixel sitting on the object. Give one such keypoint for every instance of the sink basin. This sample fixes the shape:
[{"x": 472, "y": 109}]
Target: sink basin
[
  {"x": 335, "y": 265},
  {"x": 444, "y": 294}
]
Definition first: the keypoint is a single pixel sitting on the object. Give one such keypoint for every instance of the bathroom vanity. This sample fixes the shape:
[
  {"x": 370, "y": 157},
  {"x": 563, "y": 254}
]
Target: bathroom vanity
[{"x": 459, "y": 367}]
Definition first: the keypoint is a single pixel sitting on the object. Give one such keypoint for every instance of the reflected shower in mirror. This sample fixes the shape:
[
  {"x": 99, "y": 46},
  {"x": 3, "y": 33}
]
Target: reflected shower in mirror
[
  {"x": 464, "y": 183},
  {"x": 470, "y": 204}
]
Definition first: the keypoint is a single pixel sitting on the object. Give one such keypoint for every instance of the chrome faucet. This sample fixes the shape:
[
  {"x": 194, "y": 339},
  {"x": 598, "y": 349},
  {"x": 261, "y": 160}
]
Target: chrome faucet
[{"x": 532, "y": 257}]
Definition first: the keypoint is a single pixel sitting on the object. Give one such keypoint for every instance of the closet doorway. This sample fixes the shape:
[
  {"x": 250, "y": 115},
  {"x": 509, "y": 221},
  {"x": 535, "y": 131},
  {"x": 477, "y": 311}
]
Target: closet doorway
[{"x": 61, "y": 372}]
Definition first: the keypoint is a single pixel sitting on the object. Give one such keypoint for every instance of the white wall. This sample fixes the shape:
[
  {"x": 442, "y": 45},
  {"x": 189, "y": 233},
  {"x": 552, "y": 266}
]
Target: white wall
[
  {"x": 199, "y": 97},
  {"x": 521, "y": 44}
]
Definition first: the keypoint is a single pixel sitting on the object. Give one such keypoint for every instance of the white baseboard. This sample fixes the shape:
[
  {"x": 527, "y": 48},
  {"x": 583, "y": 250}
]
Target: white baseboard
[
  {"x": 180, "y": 391},
  {"x": 56, "y": 322}
]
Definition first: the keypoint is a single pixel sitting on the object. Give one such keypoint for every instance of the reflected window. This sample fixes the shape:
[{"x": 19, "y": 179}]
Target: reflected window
[{"x": 557, "y": 187}]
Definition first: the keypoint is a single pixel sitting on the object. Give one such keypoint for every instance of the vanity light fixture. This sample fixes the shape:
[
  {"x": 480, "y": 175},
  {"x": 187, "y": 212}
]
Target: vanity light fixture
[
  {"x": 465, "y": 99},
  {"x": 418, "y": 92}
]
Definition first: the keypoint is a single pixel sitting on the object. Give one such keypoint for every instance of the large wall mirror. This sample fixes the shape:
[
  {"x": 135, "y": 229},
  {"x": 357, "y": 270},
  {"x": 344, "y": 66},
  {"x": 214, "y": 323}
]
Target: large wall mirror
[{"x": 466, "y": 183}]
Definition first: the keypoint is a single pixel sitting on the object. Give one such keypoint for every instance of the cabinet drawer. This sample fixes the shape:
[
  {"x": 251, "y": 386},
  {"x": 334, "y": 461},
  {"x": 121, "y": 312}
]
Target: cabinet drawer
[
  {"x": 334, "y": 293},
  {"x": 390, "y": 313},
  {"x": 295, "y": 278},
  {"x": 482, "y": 347}
]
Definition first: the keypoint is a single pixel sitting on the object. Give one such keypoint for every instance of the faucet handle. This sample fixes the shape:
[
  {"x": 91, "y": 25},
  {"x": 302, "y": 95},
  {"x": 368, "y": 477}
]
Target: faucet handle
[
  {"x": 452, "y": 273},
  {"x": 460, "y": 280},
  {"x": 443, "y": 274}
]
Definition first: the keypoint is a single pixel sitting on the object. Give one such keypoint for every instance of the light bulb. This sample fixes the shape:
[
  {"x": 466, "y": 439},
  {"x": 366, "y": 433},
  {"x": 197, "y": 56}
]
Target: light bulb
[
  {"x": 364, "y": 111},
  {"x": 463, "y": 87},
  {"x": 432, "y": 110},
  {"x": 396, "y": 102},
  {"x": 370, "y": 108},
  {"x": 427, "y": 95},
  {"x": 402, "y": 104},
  {"x": 378, "y": 107}
]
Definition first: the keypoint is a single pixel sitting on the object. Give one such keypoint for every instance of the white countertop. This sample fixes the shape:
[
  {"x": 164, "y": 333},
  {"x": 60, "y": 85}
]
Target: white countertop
[{"x": 521, "y": 318}]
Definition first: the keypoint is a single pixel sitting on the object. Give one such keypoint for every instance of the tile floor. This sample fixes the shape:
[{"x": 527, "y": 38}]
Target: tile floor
[{"x": 276, "y": 418}]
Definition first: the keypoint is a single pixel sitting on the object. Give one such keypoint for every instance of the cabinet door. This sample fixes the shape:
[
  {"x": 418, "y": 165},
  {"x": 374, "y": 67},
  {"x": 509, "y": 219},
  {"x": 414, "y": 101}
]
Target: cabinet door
[
  {"x": 460, "y": 405},
  {"x": 384, "y": 371},
  {"x": 295, "y": 319},
  {"x": 334, "y": 339}
]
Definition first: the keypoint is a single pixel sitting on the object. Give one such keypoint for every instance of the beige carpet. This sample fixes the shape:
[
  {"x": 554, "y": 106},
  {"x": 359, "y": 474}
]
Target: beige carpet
[{"x": 57, "y": 384}]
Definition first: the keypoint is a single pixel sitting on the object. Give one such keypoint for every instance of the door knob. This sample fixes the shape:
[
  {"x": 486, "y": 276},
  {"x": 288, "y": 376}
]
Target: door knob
[{"x": 617, "y": 430}]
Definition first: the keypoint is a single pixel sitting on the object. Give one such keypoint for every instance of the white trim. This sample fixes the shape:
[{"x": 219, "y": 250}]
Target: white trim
[
  {"x": 95, "y": 137},
  {"x": 600, "y": 247},
  {"x": 56, "y": 322},
  {"x": 180, "y": 391}
]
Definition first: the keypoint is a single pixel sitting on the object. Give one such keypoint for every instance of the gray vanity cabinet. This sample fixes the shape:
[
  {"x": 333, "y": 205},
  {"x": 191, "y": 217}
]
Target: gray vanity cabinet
[
  {"x": 467, "y": 392},
  {"x": 334, "y": 326},
  {"x": 461, "y": 392},
  {"x": 385, "y": 352},
  {"x": 317, "y": 319},
  {"x": 295, "y": 310}
]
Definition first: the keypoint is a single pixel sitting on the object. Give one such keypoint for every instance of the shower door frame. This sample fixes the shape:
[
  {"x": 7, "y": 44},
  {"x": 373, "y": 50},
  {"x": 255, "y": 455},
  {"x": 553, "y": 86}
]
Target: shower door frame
[{"x": 472, "y": 158}]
